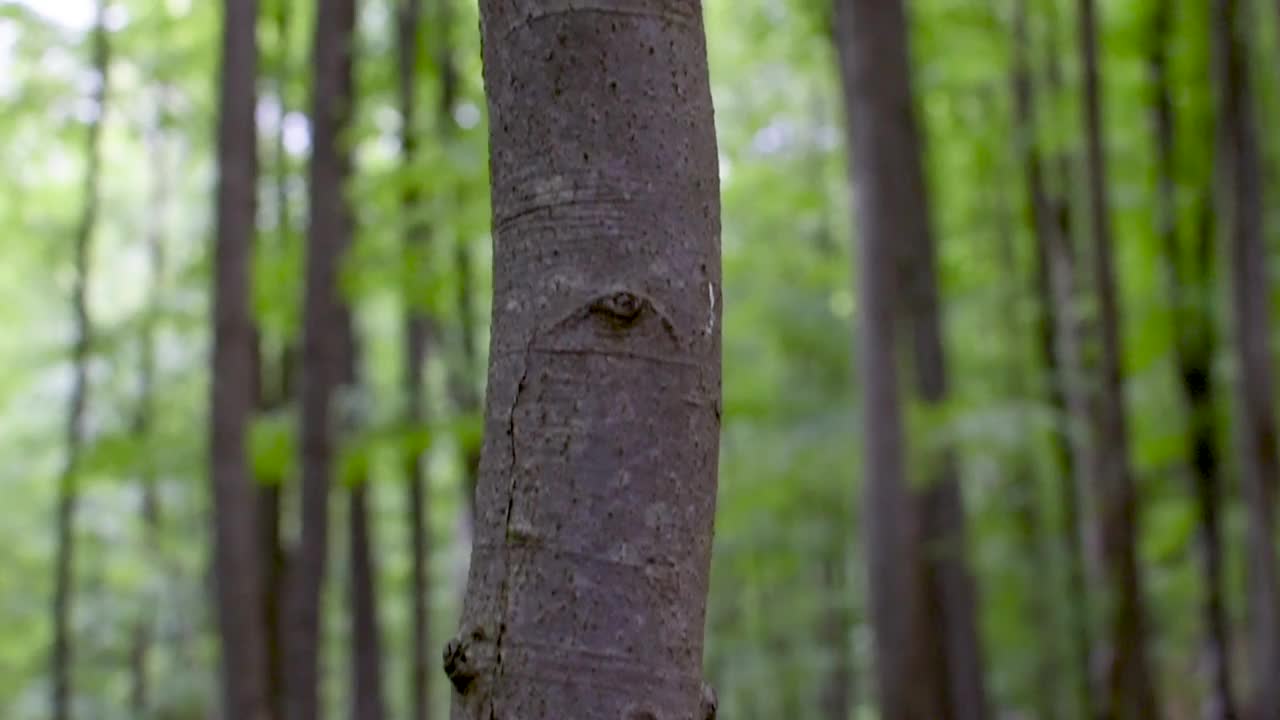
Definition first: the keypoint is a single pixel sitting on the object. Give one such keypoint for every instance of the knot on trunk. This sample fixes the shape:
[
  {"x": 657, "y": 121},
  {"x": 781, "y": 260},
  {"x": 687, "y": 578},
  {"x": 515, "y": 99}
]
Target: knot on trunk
[
  {"x": 710, "y": 703},
  {"x": 621, "y": 308},
  {"x": 465, "y": 657}
]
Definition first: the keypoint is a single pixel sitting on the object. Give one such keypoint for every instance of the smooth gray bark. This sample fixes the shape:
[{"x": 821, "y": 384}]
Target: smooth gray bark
[{"x": 589, "y": 574}]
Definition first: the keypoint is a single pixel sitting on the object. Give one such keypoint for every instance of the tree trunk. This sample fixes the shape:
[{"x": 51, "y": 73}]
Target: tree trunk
[
  {"x": 889, "y": 196},
  {"x": 1124, "y": 684},
  {"x": 461, "y": 376},
  {"x": 1193, "y": 351},
  {"x": 588, "y": 582},
  {"x": 417, "y": 347},
  {"x": 942, "y": 504},
  {"x": 838, "y": 686},
  {"x": 326, "y": 324},
  {"x": 1250, "y": 294},
  {"x": 1056, "y": 331},
  {"x": 140, "y": 690},
  {"x": 1069, "y": 329},
  {"x": 235, "y": 523},
  {"x": 366, "y": 635},
  {"x": 274, "y": 393},
  {"x": 68, "y": 484}
]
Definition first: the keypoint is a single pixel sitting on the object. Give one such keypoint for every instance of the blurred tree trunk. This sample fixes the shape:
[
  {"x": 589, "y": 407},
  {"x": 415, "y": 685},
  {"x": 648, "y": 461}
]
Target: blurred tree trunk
[
  {"x": 1241, "y": 200},
  {"x": 1125, "y": 688},
  {"x": 836, "y": 624},
  {"x": 952, "y": 590},
  {"x": 417, "y": 347},
  {"x": 68, "y": 481},
  {"x": 1193, "y": 352},
  {"x": 326, "y": 323},
  {"x": 922, "y": 599},
  {"x": 275, "y": 391},
  {"x": 462, "y": 372},
  {"x": 1023, "y": 367},
  {"x": 1056, "y": 332},
  {"x": 589, "y": 576},
  {"x": 366, "y": 633},
  {"x": 140, "y": 690},
  {"x": 1070, "y": 327},
  {"x": 244, "y": 662}
]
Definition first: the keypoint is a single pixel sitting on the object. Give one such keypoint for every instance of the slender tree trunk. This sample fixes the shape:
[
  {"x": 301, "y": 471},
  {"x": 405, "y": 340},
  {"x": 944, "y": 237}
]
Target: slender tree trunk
[
  {"x": 366, "y": 635},
  {"x": 275, "y": 392},
  {"x": 1125, "y": 685},
  {"x": 235, "y": 525},
  {"x": 140, "y": 690},
  {"x": 417, "y": 347},
  {"x": 838, "y": 686},
  {"x": 68, "y": 490},
  {"x": 1250, "y": 294},
  {"x": 1193, "y": 349},
  {"x": 942, "y": 504},
  {"x": 589, "y": 576},
  {"x": 326, "y": 324},
  {"x": 462, "y": 388},
  {"x": 889, "y": 196},
  {"x": 1069, "y": 328},
  {"x": 1024, "y": 487},
  {"x": 1056, "y": 332}
]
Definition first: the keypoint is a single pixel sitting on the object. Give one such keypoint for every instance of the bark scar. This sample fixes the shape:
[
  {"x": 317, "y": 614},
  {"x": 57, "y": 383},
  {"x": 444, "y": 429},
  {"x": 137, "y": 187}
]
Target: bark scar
[
  {"x": 621, "y": 308},
  {"x": 464, "y": 658},
  {"x": 710, "y": 703}
]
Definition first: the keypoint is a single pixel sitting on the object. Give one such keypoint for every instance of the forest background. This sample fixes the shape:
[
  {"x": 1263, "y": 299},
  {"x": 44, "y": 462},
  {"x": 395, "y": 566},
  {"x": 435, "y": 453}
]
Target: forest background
[{"x": 788, "y": 630}]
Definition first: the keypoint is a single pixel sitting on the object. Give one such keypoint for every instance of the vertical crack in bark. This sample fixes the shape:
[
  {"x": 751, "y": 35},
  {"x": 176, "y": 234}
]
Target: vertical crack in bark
[{"x": 500, "y": 631}]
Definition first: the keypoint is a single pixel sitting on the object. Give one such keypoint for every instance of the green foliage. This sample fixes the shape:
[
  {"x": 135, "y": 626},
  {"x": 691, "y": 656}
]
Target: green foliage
[{"x": 788, "y": 545}]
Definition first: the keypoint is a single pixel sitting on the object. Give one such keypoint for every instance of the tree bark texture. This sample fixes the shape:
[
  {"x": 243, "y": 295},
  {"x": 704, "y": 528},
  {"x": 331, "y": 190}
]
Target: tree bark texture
[
  {"x": 326, "y": 326},
  {"x": 417, "y": 347},
  {"x": 1124, "y": 685},
  {"x": 244, "y": 667},
  {"x": 1194, "y": 352},
  {"x": 82, "y": 329},
  {"x": 1249, "y": 292},
  {"x": 888, "y": 184},
  {"x": 589, "y": 574}
]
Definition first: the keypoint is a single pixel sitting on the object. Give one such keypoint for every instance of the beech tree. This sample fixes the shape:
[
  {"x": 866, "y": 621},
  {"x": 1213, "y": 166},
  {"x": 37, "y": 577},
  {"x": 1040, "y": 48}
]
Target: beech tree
[
  {"x": 237, "y": 571},
  {"x": 929, "y": 656},
  {"x": 325, "y": 346},
  {"x": 594, "y": 508}
]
